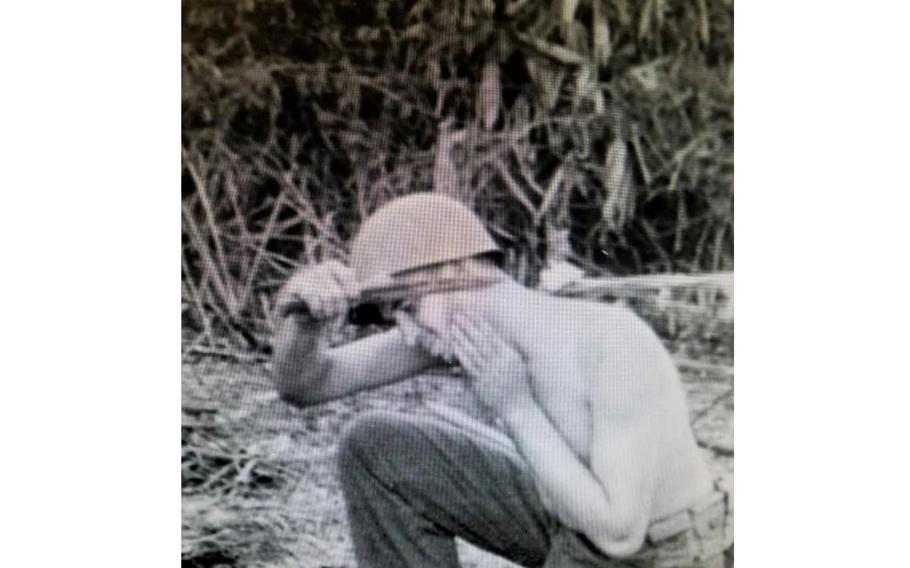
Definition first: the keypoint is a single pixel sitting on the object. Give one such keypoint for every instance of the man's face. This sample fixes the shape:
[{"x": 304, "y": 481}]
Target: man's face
[{"x": 426, "y": 320}]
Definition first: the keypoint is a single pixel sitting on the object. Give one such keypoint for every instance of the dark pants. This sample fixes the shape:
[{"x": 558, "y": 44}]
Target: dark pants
[{"x": 414, "y": 482}]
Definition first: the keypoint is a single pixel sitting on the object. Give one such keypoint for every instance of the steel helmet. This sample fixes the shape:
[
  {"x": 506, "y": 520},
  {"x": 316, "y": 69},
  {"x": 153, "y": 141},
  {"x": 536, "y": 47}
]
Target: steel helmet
[{"x": 414, "y": 231}]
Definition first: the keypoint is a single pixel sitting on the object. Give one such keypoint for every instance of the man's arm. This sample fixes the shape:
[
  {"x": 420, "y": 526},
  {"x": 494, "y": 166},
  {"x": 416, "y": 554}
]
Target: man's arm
[
  {"x": 610, "y": 502},
  {"x": 306, "y": 370}
]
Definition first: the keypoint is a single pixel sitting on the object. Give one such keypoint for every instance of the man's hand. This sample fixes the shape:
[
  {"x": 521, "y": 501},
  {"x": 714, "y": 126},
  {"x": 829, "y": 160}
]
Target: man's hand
[
  {"x": 327, "y": 289},
  {"x": 499, "y": 372}
]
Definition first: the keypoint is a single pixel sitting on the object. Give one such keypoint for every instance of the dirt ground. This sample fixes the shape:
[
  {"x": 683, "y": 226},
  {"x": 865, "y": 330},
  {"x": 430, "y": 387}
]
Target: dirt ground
[{"x": 259, "y": 480}]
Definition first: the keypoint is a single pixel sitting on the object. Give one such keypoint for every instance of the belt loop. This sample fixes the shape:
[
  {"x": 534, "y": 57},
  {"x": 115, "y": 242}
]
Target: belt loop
[
  {"x": 721, "y": 486},
  {"x": 698, "y": 556}
]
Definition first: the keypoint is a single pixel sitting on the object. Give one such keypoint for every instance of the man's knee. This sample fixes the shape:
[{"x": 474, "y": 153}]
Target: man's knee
[{"x": 376, "y": 435}]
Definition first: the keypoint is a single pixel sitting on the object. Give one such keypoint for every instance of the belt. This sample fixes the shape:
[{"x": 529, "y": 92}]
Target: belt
[{"x": 704, "y": 518}]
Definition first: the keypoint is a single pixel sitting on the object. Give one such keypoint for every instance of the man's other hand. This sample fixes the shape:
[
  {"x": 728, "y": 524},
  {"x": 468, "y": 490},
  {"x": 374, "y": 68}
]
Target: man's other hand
[
  {"x": 327, "y": 289},
  {"x": 499, "y": 373}
]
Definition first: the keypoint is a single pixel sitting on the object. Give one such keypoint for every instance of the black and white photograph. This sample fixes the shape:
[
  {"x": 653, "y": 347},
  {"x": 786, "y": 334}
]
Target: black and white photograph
[
  {"x": 457, "y": 283},
  {"x": 450, "y": 283}
]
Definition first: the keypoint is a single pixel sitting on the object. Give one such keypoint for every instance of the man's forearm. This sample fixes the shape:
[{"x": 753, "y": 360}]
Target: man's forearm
[
  {"x": 571, "y": 490},
  {"x": 299, "y": 357},
  {"x": 569, "y": 486}
]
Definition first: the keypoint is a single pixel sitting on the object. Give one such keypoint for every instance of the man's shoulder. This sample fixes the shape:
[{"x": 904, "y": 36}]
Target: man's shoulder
[
  {"x": 614, "y": 322},
  {"x": 605, "y": 335},
  {"x": 618, "y": 346}
]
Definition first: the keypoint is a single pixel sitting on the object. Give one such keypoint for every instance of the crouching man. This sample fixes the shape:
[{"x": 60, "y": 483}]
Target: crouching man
[{"x": 593, "y": 462}]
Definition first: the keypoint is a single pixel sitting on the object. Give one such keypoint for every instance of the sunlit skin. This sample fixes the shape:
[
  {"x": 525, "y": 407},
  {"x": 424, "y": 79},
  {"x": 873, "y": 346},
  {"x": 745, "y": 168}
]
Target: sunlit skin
[{"x": 586, "y": 391}]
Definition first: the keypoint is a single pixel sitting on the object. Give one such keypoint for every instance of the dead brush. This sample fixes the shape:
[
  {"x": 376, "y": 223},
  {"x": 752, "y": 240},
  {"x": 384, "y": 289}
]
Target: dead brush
[
  {"x": 210, "y": 465},
  {"x": 233, "y": 532},
  {"x": 612, "y": 121},
  {"x": 231, "y": 478}
]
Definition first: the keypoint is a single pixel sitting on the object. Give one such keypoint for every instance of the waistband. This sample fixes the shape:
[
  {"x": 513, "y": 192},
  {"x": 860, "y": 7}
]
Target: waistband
[{"x": 709, "y": 514}]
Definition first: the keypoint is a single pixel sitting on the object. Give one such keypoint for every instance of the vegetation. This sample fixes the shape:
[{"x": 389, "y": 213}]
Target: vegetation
[{"x": 598, "y": 130}]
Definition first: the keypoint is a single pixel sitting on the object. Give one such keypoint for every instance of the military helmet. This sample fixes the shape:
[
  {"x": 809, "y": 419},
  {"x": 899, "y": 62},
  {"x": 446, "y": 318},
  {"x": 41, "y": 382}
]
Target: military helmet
[{"x": 415, "y": 231}]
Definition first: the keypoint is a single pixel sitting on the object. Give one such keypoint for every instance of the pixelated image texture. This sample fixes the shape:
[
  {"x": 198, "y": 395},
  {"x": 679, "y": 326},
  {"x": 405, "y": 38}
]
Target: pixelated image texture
[{"x": 457, "y": 283}]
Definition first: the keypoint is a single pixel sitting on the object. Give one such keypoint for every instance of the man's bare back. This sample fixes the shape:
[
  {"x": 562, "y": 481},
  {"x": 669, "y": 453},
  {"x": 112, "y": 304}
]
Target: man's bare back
[
  {"x": 575, "y": 339},
  {"x": 569, "y": 347}
]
